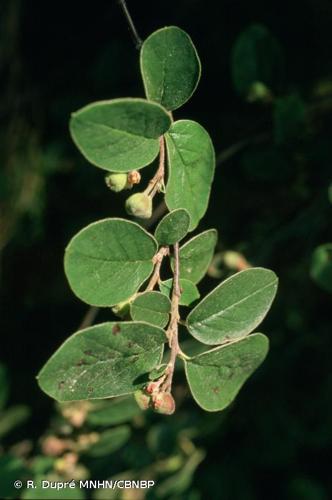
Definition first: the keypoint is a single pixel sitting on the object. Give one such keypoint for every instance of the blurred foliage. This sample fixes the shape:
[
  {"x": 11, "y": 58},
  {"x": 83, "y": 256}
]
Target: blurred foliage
[{"x": 271, "y": 202}]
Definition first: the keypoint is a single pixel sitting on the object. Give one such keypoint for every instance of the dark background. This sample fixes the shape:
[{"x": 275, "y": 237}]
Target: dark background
[{"x": 56, "y": 57}]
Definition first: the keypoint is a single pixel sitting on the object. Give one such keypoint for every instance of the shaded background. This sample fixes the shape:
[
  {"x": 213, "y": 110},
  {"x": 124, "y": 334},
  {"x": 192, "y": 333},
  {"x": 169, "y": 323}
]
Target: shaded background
[{"x": 269, "y": 201}]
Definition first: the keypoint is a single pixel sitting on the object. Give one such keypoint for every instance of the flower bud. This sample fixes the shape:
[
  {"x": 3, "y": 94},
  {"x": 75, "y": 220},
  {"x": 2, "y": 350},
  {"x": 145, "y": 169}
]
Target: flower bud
[
  {"x": 122, "y": 309},
  {"x": 139, "y": 205},
  {"x": 142, "y": 399},
  {"x": 116, "y": 181},
  {"x": 164, "y": 403}
]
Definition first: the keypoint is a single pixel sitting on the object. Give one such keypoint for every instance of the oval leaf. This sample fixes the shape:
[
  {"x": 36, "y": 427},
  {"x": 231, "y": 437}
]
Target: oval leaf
[
  {"x": 196, "y": 255},
  {"x": 108, "y": 261},
  {"x": 191, "y": 162},
  {"x": 106, "y": 360},
  {"x": 113, "y": 412},
  {"x": 216, "y": 376},
  {"x": 256, "y": 57},
  {"x": 170, "y": 67},
  {"x": 189, "y": 291},
  {"x": 108, "y": 442},
  {"x": 234, "y": 308},
  {"x": 121, "y": 134},
  {"x": 321, "y": 266},
  {"x": 173, "y": 227},
  {"x": 152, "y": 307}
]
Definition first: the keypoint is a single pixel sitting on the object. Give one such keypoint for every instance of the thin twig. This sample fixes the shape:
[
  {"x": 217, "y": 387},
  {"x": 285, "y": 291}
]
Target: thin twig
[
  {"x": 158, "y": 258},
  {"x": 89, "y": 317},
  {"x": 173, "y": 330},
  {"x": 136, "y": 37},
  {"x": 158, "y": 178}
]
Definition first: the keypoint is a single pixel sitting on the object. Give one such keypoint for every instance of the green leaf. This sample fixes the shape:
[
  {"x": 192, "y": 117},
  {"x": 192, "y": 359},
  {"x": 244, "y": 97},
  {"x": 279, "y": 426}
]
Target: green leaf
[
  {"x": 234, "y": 308},
  {"x": 191, "y": 162},
  {"x": 173, "y": 227},
  {"x": 196, "y": 255},
  {"x": 13, "y": 417},
  {"x": 170, "y": 67},
  {"x": 109, "y": 442},
  {"x": 113, "y": 412},
  {"x": 12, "y": 468},
  {"x": 216, "y": 376},
  {"x": 48, "y": 493},
  {"x": 321, "y": 266},
  {"x": 106, "y": 360},
  {"x": 256, "y": 57},
  {"x": 289, "y": 118},
  {"x": 121, "y": 134},
  {"x": 107, "y": 261},
  {"x": 189, "y": 291},
  {"x": 152, "y": 307}
]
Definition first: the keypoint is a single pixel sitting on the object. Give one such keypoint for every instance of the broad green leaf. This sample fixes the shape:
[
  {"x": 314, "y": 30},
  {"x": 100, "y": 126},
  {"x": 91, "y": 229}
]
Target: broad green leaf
[
  {"x": 170, "y": 67},
  {"x": 173, "y": 227},
  {"x": 191, "y": 162},
  {"x": 216, "y": 376},
  {"x": 189, "y": 291},
  {"x": 152, "y": 307},
  {"x": 107, "y": 261},
  {"x": 121, "y": 134},
  {"x": 256, "y": 57},
  {"x": 321, "y": 266},
  {"x": 106, "y": 360},
  {"x": 4, "y": 386},
  {"x": 196, "y": 255},
  {"x": 13, "y": 417},
  {"x": 234, "y": 308},
  {"x": 12, "y": 468},
  {"x": 109, "y": 441},
  {"x": 113, "y": 412},
  {"x": 48, "y": 493},
  {"x": 289, "y": 118}
]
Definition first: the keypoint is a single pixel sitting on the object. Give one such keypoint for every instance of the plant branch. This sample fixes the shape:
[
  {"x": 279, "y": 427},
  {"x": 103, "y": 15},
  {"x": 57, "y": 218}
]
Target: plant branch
[
  {"x": 158, "y": 178},
  {"x": 158, "y": 258},
  {"x": 136, "y": 37},
  {"x": 173, "y": 330}
]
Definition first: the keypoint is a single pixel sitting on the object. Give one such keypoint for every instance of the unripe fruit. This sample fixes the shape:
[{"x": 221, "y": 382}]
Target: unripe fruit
[
  {"x": 142, "y": 399},
  {"x": 139, "y": 205},
  {"x": 116, "y": 181},
  {"x": 164, "y": 403}
]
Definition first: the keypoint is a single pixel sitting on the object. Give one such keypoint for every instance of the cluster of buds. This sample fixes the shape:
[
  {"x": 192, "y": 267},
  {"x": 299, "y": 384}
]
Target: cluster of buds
[{"x": 153, "y": 397}]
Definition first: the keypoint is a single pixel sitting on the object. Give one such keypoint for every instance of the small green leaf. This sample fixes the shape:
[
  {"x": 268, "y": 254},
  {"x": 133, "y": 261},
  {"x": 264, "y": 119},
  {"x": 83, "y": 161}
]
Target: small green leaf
[
  {"x": 256, "y": 57},
  {"x": 216, "y": 376},
  {"x": 107, "y": 261},
  {"x": 109, "y": 441},
  {"x": 113, "y": 412},
  {"x": 121, "y": 134},
  {"x": 234, "y": 308},
  {"x": 152, "y": 307},
  {"x": 106, "y": 360},
  {"x": 13, "y": 417},
  {"x": 170, "y": 67},
  {"x": 289, "y": 118},
  {"x": 191, "y": 162},
  {"x": 196, "y": 255},
  {"x": 189, "y": 291},
  {"x": 321, "y": 266},
  {"x": 173, "y": 227}
]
